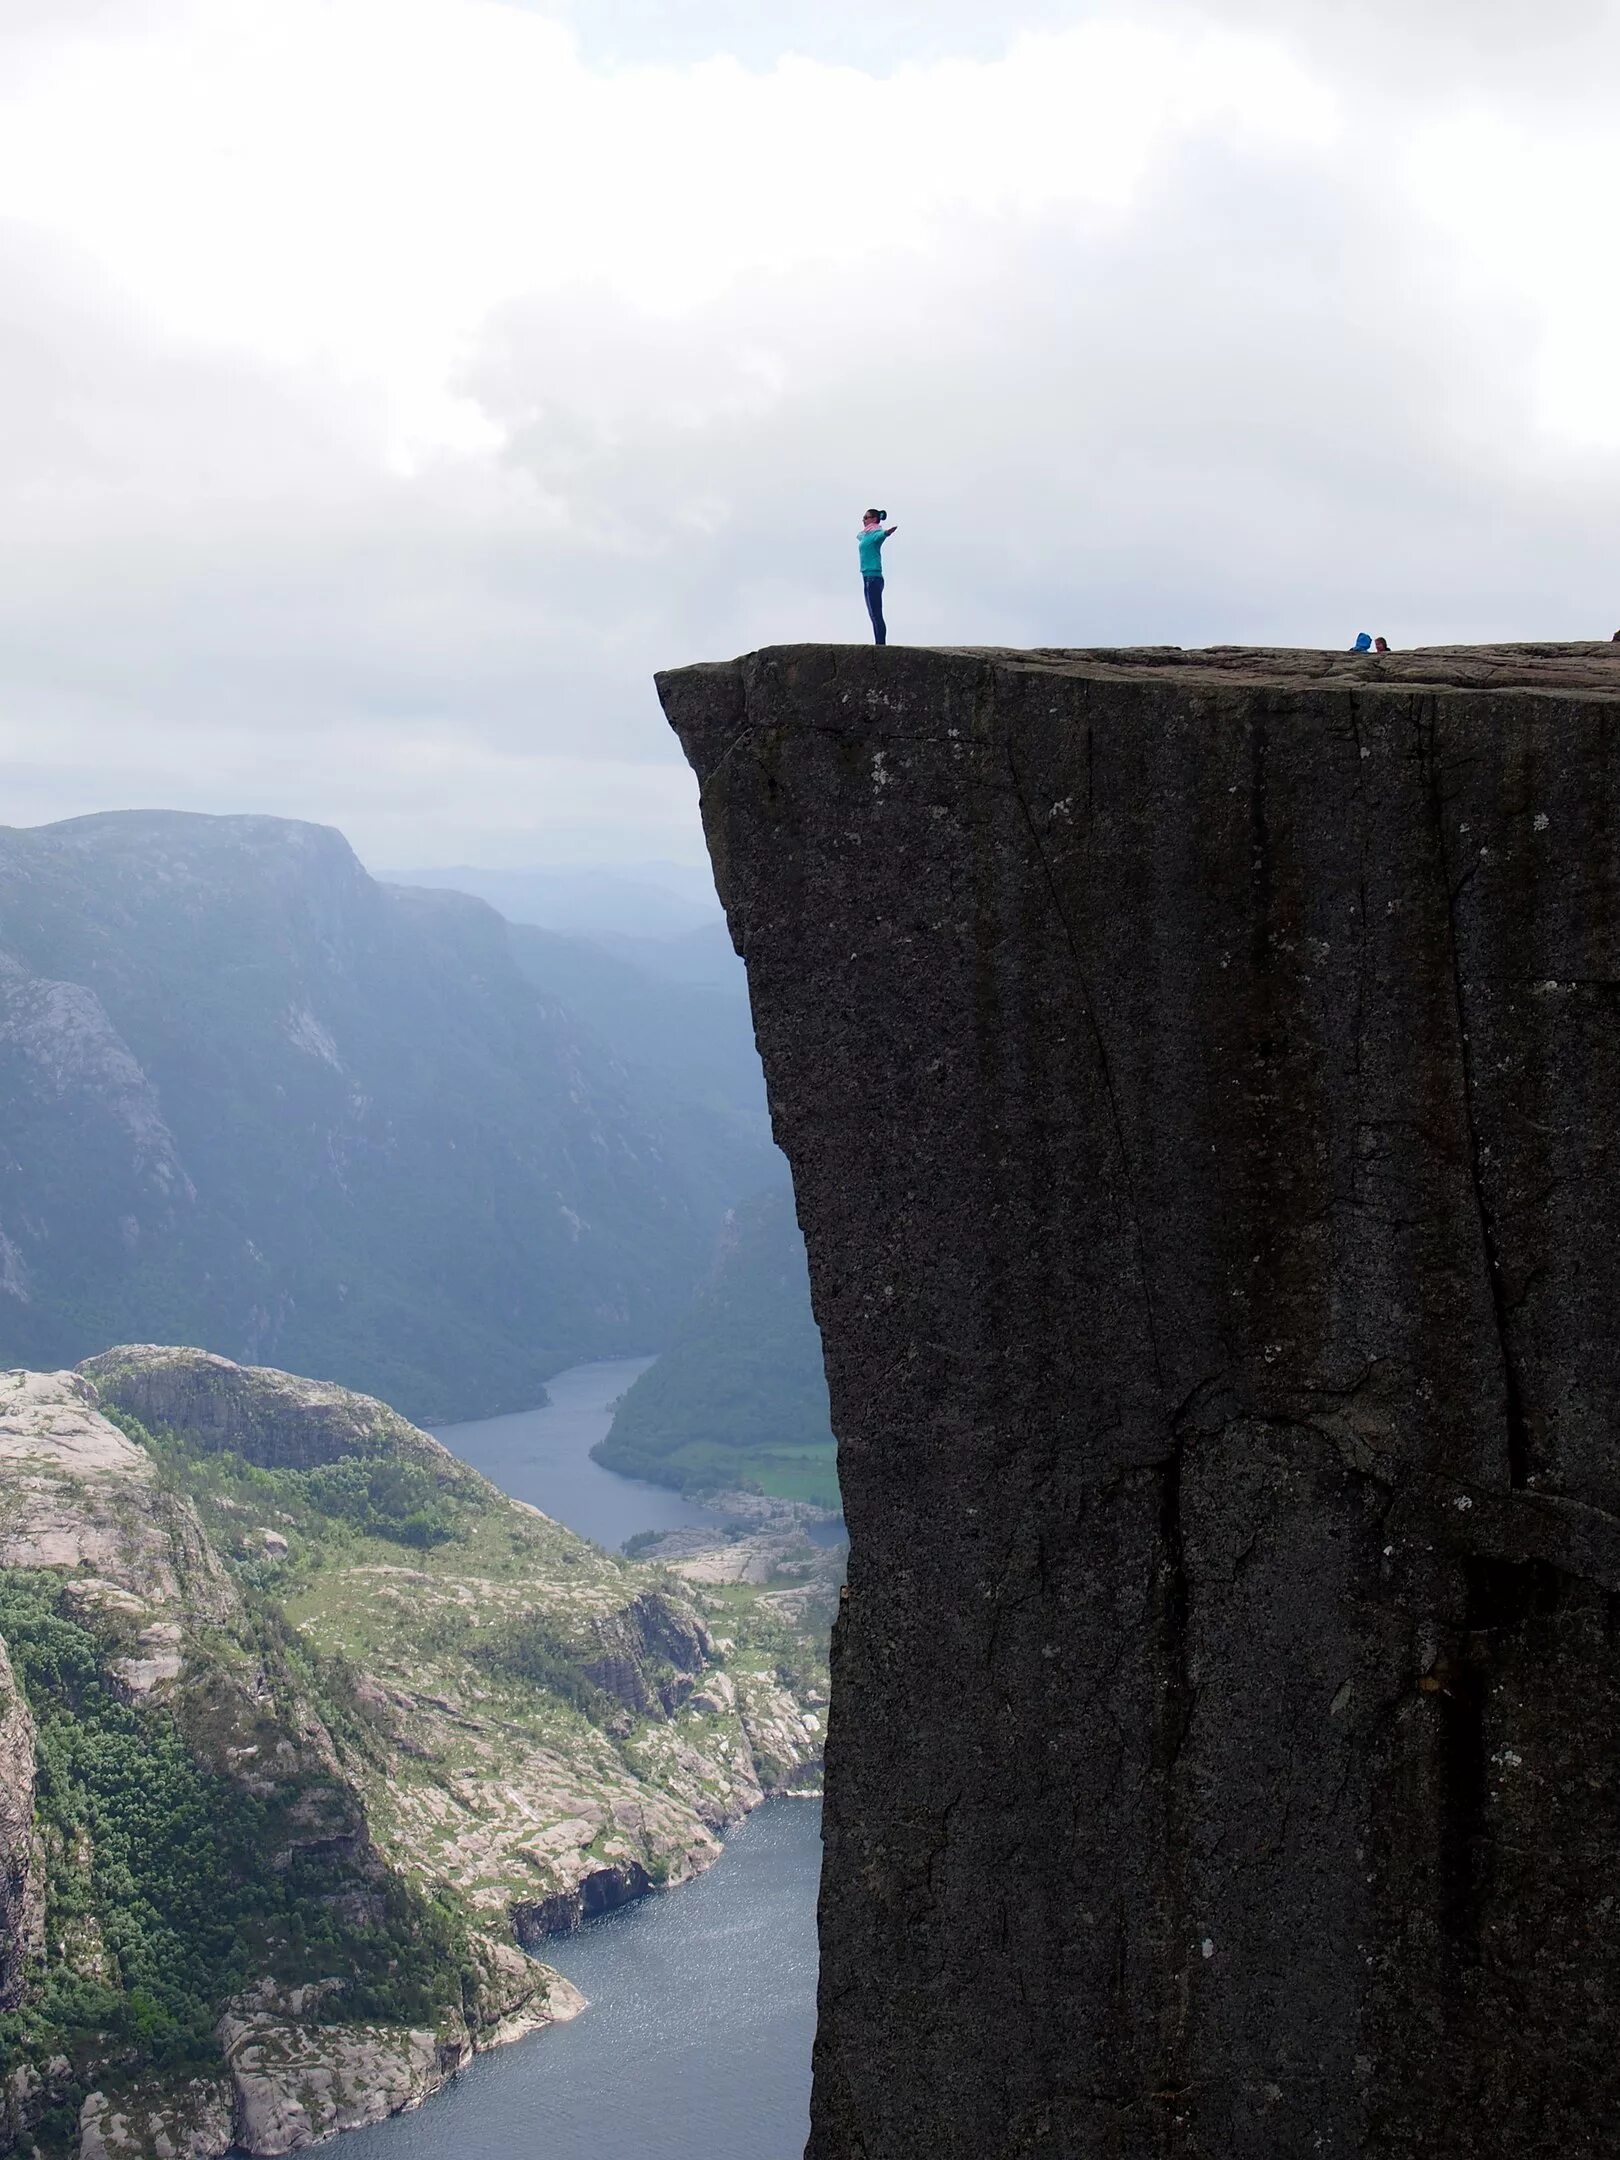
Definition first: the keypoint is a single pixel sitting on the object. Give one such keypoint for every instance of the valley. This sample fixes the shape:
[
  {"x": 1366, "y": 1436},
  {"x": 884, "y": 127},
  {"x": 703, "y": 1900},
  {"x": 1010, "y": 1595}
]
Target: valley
[
  {"x": 321, "y": 1733},
  {"x": 257, "y": 1101},
  {"x": 387, "y": 1724}
]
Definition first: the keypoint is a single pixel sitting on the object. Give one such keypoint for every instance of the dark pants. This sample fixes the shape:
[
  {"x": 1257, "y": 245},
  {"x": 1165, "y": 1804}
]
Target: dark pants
[{"x": 874, "y": 608}]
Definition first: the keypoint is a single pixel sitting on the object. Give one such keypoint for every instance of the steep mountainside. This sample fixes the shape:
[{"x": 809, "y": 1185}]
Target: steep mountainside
[
  {"x": 1199, "y": 1075},
  {"x": 253, "y": 1100},
  {"x": 704, "y": 956},
  {"x": 686, "y": 1047},
  {"x": 22, "y": 1885},
  {"x": 739, "y": 1398},
  {"x": 325, "y": 1727},
  {"x": 693, "y": 1038}
]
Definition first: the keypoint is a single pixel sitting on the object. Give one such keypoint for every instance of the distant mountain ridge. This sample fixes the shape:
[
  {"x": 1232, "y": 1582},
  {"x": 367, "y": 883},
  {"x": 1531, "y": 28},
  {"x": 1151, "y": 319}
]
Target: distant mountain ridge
[
  {"x": 252, "y": 1099},
  {"x": 656, "y": 900}
]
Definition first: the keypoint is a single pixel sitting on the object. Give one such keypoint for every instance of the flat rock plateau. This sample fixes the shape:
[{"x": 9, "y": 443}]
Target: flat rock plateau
[{"x": 1199, "y": 1074}]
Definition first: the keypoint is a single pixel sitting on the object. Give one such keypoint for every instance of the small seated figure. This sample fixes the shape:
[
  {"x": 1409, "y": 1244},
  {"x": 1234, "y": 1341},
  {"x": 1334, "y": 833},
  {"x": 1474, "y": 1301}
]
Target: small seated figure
[
  {"x": 1363, "y": 642},
  {"x": 1380, "y": 644}
]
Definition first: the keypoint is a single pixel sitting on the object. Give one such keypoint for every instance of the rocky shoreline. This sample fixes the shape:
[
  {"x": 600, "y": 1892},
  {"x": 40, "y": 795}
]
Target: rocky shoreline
[
  {"x": 290, "y": 2081},
  {"x": 494, "y": 1715}
]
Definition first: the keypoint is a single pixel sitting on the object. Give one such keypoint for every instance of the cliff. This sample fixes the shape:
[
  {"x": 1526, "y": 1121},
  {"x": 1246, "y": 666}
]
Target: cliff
[
  {"x": 1198, "y": 1072},
  {"x": 22, "y": 1872},
  {"x": 328, "y": 1727}
]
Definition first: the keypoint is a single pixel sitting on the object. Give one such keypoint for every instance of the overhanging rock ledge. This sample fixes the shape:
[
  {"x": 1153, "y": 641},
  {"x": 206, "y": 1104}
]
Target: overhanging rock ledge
[{"x": 1200, "y": 1074}]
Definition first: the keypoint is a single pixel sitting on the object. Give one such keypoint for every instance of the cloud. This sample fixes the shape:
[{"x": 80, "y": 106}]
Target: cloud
[{"x": 390, "y": 385}]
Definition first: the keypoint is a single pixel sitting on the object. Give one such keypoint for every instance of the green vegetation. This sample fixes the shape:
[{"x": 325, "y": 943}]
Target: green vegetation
[
  {"x": 163, "y": 1889},
  {"x": 739, "y": 1399},
  {"x": 380, "y": 1499},
  {"x": 532, "y": 1649},
  {"x": 372, "y": 1492},
  {"x": 329, "y": 1721}
]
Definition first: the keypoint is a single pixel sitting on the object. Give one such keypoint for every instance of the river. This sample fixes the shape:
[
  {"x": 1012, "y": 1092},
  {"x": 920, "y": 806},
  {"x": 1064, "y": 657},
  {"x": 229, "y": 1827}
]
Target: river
[
  {"x": 696, "y": 2045},
  {"x": 544, "y": 1456}
]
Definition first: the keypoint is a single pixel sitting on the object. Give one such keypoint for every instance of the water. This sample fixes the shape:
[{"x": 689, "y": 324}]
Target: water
[
  {"x": 696, "y": 2045},
  {"x": 544, "y": 1456},
  {"x": 697, "y": 2042}
]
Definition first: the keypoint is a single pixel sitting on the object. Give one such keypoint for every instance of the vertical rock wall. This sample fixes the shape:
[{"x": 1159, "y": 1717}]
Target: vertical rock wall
[
  {"x": 22, "y": 1866},
  {"x": 1200, "y": 1075}
]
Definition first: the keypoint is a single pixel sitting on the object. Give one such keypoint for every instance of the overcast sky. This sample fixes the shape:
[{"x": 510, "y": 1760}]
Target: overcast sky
[{"x": 388, "y": 386}]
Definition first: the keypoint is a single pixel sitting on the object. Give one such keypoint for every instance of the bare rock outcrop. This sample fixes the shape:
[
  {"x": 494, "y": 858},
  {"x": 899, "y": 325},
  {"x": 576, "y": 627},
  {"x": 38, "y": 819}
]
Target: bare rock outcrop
[
  {"x": 649, "y": 1653},
  {"x": 295, "y": 2080},
  {"x": 278, "y": 1420},
  {"x": 186, "y": 2120},
  {"x": 603, "y": 1890},
  {"x": 1199, "y": 1075},
  {"x": 77, "y": 1496},
  {"x": 22, "y": 1867}
]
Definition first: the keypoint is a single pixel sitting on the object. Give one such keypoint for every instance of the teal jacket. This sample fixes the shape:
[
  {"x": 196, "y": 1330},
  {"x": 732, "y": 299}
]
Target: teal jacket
[{"x": 870, "y": 541}]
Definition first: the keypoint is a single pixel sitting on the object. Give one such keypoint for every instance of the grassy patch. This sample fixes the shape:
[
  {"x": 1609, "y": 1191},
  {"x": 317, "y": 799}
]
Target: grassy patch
[
  {"x": 808, "y": 1472},
  {"x": 375, "y": 1493}
]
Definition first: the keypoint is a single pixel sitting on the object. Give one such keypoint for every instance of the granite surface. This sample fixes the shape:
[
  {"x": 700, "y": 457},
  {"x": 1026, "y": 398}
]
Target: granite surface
[{"x": 1199, "y": 1073}]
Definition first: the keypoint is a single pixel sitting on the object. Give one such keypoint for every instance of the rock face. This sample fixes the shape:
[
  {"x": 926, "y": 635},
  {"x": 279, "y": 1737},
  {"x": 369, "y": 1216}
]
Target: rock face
[
  {"x": 75, "y": 1494},
  {"x": 1199, "y": 1075},
  {"x": 277, "y": 1420},
  {"x": 603, "y": 1891},
  {"x": 295, "y": 2081},
  {"x": 22, "y": 1871},
  {"x": 649, "y": 1654},
  {"x": 191, "y": 2121}
]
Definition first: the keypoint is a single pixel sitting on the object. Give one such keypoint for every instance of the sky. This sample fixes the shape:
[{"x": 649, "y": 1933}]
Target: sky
[{"x": 387, "y": 387}]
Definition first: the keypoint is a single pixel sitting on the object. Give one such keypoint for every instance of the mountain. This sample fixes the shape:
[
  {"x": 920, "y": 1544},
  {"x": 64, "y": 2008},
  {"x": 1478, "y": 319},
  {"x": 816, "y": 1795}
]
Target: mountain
[
  {"x": 664, "y": 900},
  {"x": 305, "y": 1729},
  {"x": 254, "y": 1100},
  {"x": 690, "y": 1037},
  {"x": 739, "y": 1398},
  {"x": 704, "y": 956}
]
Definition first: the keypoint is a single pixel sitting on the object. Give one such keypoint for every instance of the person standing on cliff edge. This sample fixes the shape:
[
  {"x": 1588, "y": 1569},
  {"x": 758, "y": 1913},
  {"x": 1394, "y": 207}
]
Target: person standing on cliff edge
[{"x": 870, "y": 541}]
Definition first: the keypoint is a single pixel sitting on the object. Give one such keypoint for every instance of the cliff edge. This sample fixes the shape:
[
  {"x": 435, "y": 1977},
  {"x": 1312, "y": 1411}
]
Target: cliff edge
[{"x": 1199, "y": 1075}]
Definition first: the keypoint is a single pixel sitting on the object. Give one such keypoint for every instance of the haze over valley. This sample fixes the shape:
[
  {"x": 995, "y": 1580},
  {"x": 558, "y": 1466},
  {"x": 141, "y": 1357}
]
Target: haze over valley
[
  {"x": 695, "y": 1175},
  {"x": 262, "y": 1103}
]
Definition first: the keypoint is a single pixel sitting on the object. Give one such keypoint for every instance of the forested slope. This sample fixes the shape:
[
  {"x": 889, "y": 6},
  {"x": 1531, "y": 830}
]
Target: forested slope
[
  {"x": 253, "y": 1100},
  {"x": 739, "y": 1398}
]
